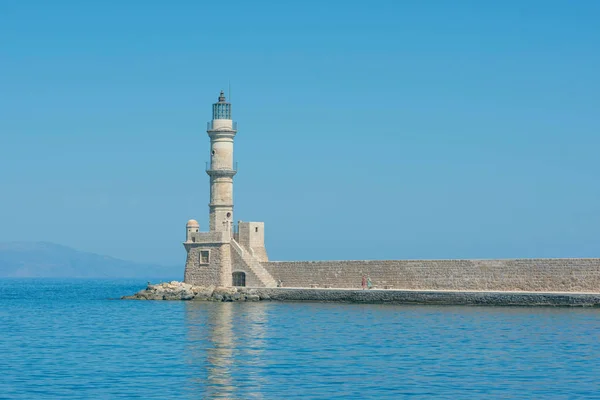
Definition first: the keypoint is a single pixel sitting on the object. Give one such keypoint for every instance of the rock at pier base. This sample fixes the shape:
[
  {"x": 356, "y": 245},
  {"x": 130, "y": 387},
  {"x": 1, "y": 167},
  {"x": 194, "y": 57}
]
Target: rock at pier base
[{"x": 182, "y": 291}]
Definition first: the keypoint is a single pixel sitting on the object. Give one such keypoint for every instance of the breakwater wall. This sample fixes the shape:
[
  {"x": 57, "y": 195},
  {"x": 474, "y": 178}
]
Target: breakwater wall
[
  {"x": 182, "y": 291},
  {"x": 431, "y": 297},
  {"x": 528, "y": 275}
]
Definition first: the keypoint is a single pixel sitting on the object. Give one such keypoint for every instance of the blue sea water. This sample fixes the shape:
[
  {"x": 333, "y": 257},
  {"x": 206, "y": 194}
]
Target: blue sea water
[{"x": 71, "y": 339}]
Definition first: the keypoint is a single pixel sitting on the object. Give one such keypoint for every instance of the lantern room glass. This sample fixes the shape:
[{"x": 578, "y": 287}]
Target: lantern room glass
[{"x": 222, "y": 109}]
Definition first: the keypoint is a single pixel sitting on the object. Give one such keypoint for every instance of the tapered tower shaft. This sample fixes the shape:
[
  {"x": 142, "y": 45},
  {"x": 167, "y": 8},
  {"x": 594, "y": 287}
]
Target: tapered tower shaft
[{"x": 221, "y": 169}]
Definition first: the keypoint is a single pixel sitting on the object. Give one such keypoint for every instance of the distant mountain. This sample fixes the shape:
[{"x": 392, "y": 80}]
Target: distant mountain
[{"x": 49, "y": 260}]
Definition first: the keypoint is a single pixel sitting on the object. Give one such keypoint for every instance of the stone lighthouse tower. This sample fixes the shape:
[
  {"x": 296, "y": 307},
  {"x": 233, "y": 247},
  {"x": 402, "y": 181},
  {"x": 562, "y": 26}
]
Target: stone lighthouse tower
[
  {"x": 219, "y": 257},
  {"x": 221, "y": 169}
]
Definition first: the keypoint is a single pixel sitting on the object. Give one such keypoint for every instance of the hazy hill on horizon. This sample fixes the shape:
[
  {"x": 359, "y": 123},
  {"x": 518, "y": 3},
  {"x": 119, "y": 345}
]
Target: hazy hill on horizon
[{"x": 50, "y": 260}]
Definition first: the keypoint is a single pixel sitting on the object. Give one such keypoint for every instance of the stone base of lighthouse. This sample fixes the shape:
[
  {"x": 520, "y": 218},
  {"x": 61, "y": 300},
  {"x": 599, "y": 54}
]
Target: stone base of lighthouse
[
  {"x": 208, "y": 259},
  {"x": 223, "y": 259}
]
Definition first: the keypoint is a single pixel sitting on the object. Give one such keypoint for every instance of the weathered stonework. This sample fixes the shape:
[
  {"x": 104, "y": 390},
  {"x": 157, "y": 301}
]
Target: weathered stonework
[
  {"x": 251, "y": 236},
  {"x": 239, "y": 265},
  {"x": 183, "y": 291},
  {"x": 201, "y": 274},
  {"x": 534, "y": 275},
  {"x": 472, "y": 298},
  {"x": 213, "y": 247}
]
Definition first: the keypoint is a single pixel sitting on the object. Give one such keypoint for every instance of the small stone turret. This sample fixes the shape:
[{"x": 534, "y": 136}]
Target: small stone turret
[{"x": 191, "y": 227}]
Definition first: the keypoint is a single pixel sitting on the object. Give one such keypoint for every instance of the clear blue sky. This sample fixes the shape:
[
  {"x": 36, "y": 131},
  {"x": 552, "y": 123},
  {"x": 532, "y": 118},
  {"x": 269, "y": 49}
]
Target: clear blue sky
[{"x": 367, "y": 130}]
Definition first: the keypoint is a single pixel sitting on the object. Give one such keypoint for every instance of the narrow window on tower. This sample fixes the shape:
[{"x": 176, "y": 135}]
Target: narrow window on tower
[{"x": 204, "y": 257}]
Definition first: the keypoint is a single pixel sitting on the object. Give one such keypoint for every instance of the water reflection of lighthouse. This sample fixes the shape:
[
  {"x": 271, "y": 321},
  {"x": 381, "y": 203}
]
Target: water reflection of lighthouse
[{"x": 225, "y": 348}]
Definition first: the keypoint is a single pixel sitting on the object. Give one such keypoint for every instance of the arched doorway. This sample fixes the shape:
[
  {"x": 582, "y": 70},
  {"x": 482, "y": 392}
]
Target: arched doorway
[{"x": 239, "y": 279}]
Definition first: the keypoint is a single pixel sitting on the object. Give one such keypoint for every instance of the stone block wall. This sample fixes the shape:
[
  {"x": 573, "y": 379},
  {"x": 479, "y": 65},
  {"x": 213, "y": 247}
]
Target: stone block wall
[
  {"x": 252, "y": 238},
  {"x": 536, "y": 275},
  {"x": 238, "y": 264},
  {"x": 216, "y": 272},
  {"x": 207, "y": 237}
]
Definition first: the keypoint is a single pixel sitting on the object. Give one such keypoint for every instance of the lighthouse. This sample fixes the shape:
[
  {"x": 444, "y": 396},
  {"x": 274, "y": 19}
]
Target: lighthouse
[
  {"x": 219, "y": 257},
  {"x": 221, "y": 168}
]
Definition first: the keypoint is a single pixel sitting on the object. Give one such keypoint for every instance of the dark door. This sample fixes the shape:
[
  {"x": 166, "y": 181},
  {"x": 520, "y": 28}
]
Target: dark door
[{"x": 239, "y": 279}]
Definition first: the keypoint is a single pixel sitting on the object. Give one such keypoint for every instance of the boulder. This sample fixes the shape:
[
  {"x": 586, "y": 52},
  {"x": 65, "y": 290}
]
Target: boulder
[
  {"x": 175, "y": 290},
  {"x": 225, "y": 290},
  {"x": 202, "y": 293}
]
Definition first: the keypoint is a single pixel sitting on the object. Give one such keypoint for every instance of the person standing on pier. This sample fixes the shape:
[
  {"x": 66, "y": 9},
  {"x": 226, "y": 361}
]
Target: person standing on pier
[{"x": 364, "y": 282}]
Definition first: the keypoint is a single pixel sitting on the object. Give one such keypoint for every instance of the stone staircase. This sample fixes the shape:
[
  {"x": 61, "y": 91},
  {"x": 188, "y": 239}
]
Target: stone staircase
[{"x": 253, "y": 265}]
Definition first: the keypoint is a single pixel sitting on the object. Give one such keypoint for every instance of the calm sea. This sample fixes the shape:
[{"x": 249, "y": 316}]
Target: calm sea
[{"x": 68, "y": 339}]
